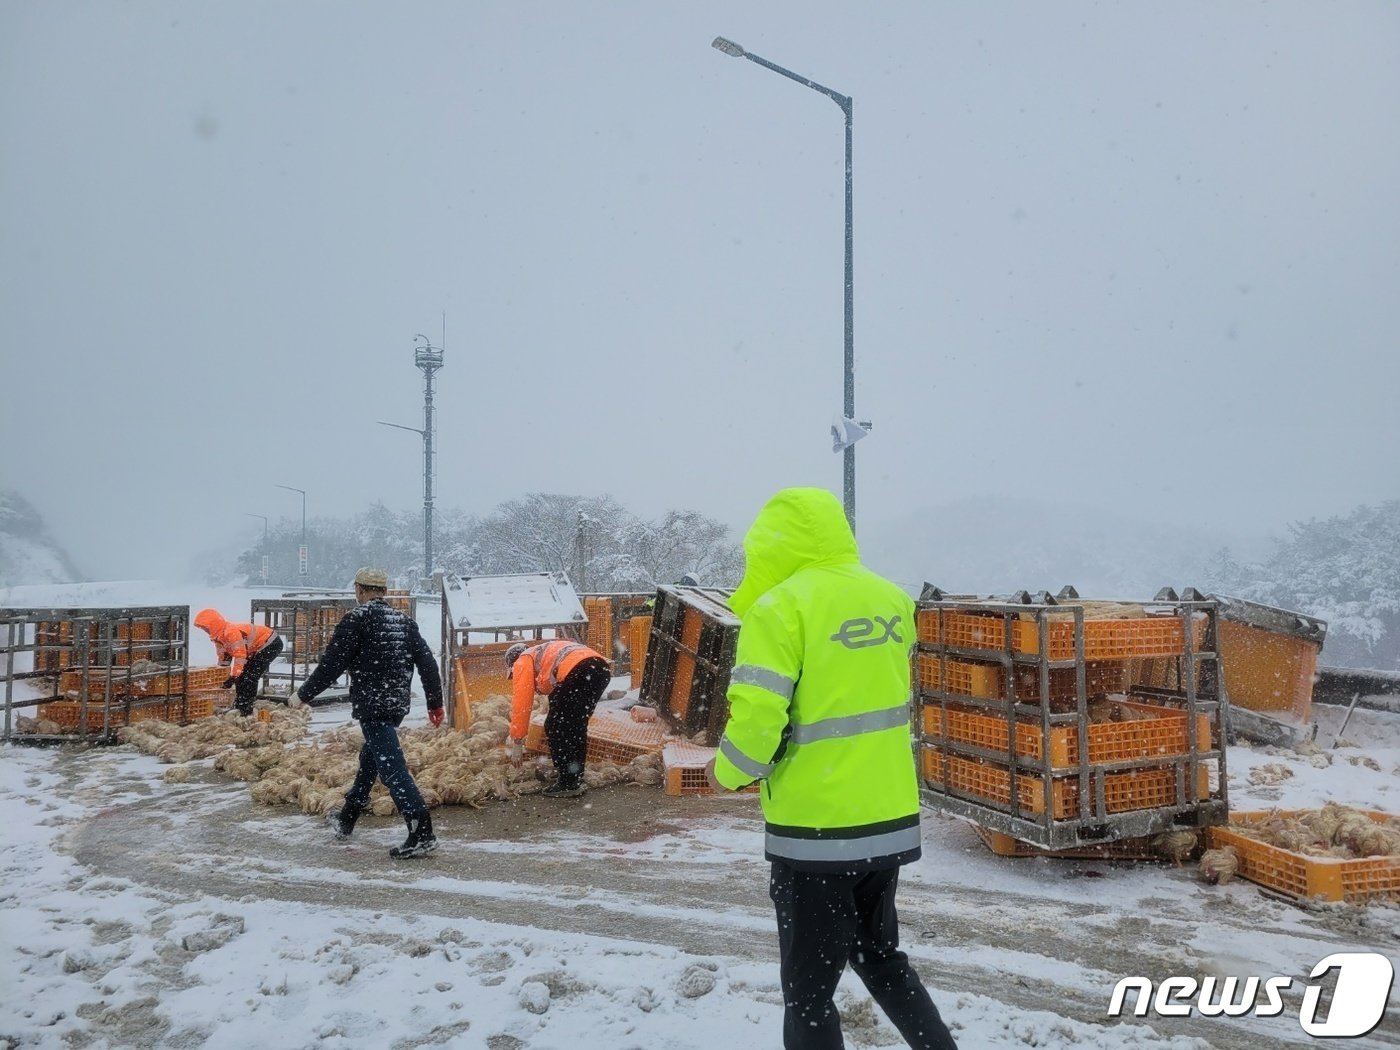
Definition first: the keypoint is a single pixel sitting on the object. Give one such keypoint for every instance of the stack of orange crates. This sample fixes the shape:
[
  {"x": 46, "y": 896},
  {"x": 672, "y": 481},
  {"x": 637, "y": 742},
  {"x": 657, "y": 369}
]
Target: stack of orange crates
[
  {"x": 689, "y": 658},
  {"x": 1110, "y": 761}
]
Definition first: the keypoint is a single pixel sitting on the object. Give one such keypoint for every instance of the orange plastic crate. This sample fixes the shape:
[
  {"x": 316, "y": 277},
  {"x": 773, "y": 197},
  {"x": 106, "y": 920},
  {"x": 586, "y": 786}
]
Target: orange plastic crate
[
  {"x": 1103, "y": 639},
  {"x": 961, "y": 677},
  {"x": 149, "y": 684},
  {"x": 1298, "y": 875},
  {"x": 1108, "y": 639},
  {"x": 684, "y": 765},
  {"x": 534, "y": 735},
  {"x": 612, "y": 737},
  {"x": 973, "y": 630},
  {"x": 1163, "y": 733},
  {"x": 691, "y": 624},
  {"x": 927, "y": 620},
  {"x": 969, "y": 678},
  {"x": 1100, "y": 677},
  {"x": 194, "y": 707},
  {"x": 638, "y": 636},
  {"x": 598, "y": 635},
  {"x": 1268, "y": 670},
  {"x": 993, "y": 783},
  {"x": 1123, "y": 792},
  {"x": 1121, "y": 849},
  {"x": 68, "y": 712},
  {"x": 128, "y": 645},
  {"x": 478, "y": 671},
  {"x": 197, "y": 680}
]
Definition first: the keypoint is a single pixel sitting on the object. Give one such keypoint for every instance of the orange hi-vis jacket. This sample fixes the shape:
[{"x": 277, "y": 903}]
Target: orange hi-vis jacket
[
  {"x": 234, "y": 642},
  {"x": 538, "y": 670}
]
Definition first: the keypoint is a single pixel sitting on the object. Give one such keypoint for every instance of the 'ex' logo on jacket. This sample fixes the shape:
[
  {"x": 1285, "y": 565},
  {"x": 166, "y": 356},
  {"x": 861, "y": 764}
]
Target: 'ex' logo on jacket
[{"x": 862, "y": 632}]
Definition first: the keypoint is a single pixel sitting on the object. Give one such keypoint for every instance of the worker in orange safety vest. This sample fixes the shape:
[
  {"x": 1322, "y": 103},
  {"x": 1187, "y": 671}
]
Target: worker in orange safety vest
[
  {"x": 574, "y": 677},
  {"x": 247, "y": 648}
]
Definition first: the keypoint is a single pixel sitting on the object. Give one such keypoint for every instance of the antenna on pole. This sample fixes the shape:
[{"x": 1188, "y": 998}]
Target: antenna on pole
[{"x": 428, "y": 359}]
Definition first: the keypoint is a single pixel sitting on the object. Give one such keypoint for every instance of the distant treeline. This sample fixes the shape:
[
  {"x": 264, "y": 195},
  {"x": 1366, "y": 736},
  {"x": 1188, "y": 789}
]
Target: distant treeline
[
  {"x": 1344, "y": 570},
  {"x": 598, "y": 542}
]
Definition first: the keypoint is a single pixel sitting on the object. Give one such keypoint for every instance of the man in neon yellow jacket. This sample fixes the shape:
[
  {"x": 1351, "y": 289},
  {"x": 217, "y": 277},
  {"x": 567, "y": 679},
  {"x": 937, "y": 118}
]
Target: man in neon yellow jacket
[{"x": 819, "y": 712}]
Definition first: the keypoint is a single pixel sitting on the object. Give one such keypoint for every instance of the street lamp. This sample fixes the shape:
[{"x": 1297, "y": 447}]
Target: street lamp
[
  {"x": 249, "y": 514},
  {"x": 844, "y": 101},
  {"x": 427, "y": 493},
  {"x": 301, "y": 554}
]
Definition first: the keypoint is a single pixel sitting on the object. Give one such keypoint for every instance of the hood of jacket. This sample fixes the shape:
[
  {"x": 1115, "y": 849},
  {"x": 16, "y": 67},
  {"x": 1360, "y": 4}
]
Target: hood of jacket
[
  {"x": 797, "y": 529},
  {"x": 209, "y": 620}
]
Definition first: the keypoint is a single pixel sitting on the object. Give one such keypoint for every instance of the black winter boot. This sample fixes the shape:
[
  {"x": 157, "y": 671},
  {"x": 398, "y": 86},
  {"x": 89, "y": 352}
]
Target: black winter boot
[
  {"x": 561, "y": 790},
  {"x": 421, "y": 840},
  {"x": 343, "y": 821}
]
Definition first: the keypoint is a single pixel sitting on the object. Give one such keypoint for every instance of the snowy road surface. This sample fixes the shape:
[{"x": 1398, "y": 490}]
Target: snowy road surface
[{"x": 141, "y": 913}]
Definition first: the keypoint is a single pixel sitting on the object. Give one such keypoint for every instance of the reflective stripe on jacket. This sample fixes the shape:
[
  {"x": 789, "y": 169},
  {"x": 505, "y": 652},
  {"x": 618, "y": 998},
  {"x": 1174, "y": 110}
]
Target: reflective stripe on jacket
[
  {"x": 549, "y": 664},
  {"x": 236, "y": 642},
  {"x": 819, "y": 694}
]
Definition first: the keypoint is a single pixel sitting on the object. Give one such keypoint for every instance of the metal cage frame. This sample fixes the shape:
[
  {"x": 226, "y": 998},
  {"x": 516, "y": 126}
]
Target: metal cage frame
[
  {"x": 1200, "y": 694},
  {"x": 92, "y": 658}
]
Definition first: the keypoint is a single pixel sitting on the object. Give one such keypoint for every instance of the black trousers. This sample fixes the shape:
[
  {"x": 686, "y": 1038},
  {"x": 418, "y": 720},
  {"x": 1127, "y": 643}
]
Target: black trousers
[
  {"x": 382, "y": 757},
  {"x": 826, "y": 921},
  {"x": 245, "y": 686},
  {"x": 570, "y": 707}
]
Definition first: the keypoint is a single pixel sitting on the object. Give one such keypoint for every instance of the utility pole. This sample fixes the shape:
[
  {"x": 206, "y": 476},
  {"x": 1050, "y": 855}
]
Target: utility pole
[{"x": 427, "y": 358}]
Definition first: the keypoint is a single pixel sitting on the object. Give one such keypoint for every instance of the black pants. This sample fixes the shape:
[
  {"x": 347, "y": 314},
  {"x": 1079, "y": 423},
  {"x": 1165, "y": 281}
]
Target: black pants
[
  {"x": 825, "y": 921},
  {"x": 245, "y": 687},
  {"x": 382, "y": 757},
  {"x": 570, "y": 707}
]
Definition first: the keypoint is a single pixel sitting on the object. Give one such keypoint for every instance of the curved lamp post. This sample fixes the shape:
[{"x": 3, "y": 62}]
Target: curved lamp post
[
  {"x": 844, "y": 101},
  {"x": 303, "y": 556}
]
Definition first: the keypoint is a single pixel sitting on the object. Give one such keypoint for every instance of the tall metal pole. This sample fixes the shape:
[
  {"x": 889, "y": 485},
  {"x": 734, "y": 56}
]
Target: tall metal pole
[
  {"x": 844, "y": 101},
  {"x": 428, "y": 358},
  {"x": 849, "y": 472},
  {"x": 427, "y": 474}
]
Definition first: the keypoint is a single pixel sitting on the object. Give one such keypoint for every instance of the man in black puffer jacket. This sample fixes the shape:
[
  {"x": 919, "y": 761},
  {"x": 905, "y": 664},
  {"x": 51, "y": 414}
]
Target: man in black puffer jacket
[{"x": 380, "y": 647}]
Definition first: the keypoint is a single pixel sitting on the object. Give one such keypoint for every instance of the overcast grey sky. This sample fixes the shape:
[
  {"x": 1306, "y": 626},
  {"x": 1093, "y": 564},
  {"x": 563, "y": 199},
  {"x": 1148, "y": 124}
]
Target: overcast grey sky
[{"x": 1141, "y": 256}]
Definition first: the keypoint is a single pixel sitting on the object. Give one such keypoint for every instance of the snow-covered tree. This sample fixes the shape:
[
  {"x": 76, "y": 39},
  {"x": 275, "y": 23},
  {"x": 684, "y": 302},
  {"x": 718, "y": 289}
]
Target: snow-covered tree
[
  {"x": 381, "y": 537},
  {"x": 680, "y": 542},
  {"x": 601, "y": 545},
  {"x": 597, "y": 541},
  {"x": 1344, "y": 570}
]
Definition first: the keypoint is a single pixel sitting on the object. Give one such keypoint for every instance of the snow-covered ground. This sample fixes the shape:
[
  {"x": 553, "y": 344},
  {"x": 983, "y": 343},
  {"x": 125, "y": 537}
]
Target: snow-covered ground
[{"x": 135, "y": 912}]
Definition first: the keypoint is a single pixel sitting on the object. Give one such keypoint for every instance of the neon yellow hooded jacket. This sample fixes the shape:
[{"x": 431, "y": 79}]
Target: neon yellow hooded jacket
[{"x": 819, "y": 694}]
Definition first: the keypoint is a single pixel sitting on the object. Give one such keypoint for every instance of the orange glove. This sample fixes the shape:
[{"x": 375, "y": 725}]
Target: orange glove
[{"x": 435, "y": 715}]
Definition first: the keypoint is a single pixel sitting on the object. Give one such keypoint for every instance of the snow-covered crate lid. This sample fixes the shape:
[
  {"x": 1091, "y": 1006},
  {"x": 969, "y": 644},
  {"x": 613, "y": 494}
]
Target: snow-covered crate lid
[
  {"x": 1269, "y": 618},
  {"x": 518, "y": 600}
]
